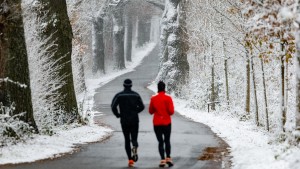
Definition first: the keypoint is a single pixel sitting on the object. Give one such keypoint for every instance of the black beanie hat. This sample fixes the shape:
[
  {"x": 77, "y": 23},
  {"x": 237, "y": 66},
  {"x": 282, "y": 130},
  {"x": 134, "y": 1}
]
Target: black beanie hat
[
  {"x": 161, "y": 86},
  {"x": 127, "y": 83}
]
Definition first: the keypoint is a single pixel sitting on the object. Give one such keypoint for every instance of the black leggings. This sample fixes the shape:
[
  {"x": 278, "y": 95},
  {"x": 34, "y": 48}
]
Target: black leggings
[
  {"x": 165, "y": 131},
  {"x": 130, "y": 130}
]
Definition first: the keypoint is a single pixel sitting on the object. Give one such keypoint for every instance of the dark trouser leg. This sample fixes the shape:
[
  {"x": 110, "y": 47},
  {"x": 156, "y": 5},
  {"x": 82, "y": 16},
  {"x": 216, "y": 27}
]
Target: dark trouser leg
[
  {"x": 126, "y": 132},
  {"x": 167, "y": 134},
  {"x": 159, "y": 135},
  {"x": 134, "y": 134}
]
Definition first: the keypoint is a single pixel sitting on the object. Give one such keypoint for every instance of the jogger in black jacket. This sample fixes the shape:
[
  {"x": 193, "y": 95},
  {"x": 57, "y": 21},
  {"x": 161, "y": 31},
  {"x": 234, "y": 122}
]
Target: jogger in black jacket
[{"x": 130, "y": 104}]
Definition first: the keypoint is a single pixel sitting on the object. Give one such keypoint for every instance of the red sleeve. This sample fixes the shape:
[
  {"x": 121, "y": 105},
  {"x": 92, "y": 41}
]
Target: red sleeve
[
  {"x": 151, "y": 107},
  {"x": 171, "y": 107}
]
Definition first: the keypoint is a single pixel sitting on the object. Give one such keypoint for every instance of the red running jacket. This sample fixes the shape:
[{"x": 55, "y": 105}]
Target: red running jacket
[{"x": 161, "y": 105}]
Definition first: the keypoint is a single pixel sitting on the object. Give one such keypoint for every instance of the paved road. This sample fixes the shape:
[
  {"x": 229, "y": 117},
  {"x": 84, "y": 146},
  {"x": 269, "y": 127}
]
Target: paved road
[{"x": 190, "y": 141}]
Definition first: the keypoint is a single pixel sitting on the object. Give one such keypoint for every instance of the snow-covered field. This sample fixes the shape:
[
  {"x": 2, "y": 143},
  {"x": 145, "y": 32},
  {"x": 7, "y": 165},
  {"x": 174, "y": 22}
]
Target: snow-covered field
[
  {"x": 64, "y": 141},
  {"x": 251, "y": 148}
]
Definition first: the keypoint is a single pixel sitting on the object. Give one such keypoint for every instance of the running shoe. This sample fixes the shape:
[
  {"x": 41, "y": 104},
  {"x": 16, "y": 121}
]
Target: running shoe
[
  {"x": 162, "y": 163},
  {"x": 169, "y": 162},
  {"x": 130, "y": 163}
]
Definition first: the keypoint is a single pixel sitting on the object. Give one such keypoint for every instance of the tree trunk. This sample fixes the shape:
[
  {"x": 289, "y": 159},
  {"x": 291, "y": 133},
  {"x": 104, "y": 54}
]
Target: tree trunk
[
  {"x": 15, "y": 91},
  {"x": 57, "y": 27},
  {"x": 98, "y": 39},
  {"x": 108, "y": 38},
  {"x": 174, "y": 67},
  {"x": 143, "y": 35},
  {"x": 155, "y": 29},
  {"x": 265, "y": 95},
  {"x": 118, "y": 37},
  {"x": 128, "y": 44},
  {"x": 81, "y": 75},
  {"x": 98, "y": 45},
  {"x": 226, "y": 79},
  {"x": 147, "y": 30},
  {"x": 283, "y": 106},
  {"x": 255, "y": 92},
  {"x": 213, "y": 92},
  {"x": 140, "y": 33},
  {"x": 226, "y": 74},
  {"x": 286, "y": 86},
  {"x": 297, "y": 114},
  {"x": 247, "y": 109}
]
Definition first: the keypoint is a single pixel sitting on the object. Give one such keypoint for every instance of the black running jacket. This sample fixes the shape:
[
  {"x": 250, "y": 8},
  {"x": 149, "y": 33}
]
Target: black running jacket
[{"x": 130, "y": 104}]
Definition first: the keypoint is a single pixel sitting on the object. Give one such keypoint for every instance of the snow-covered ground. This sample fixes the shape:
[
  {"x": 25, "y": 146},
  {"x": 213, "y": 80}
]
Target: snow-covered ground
[
  {"x": 251, "y": 148},
  {"x": 42, "y": 146},
  {"x": 64, "y": 141}
]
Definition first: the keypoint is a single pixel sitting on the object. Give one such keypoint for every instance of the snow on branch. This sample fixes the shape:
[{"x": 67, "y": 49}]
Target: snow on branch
[
  {"x": 115, "y": 2},
  {"x": 13, "y": 82}
]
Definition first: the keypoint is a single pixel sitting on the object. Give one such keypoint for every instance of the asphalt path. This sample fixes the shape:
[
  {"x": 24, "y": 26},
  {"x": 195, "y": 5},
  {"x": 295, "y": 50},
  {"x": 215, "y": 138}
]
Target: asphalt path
[{"x": 194, "y": 145}]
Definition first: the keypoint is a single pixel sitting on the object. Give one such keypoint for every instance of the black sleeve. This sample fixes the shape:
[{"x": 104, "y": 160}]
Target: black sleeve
[
  {"x": 114, "y": 105},
  {"x": 140, "y": 104}
]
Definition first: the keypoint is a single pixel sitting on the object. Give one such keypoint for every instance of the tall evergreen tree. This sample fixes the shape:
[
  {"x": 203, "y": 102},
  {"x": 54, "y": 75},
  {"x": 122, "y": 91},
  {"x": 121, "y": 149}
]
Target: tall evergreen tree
[
  {"x": 15, "y": 89},
  {"x": 56, "y": 27}
]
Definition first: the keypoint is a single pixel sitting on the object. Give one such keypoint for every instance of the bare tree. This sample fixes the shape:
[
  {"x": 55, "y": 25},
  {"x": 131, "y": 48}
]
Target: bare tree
[
  {"x": 226, "y": 74},
  {"x": 128, "y": 44},
  {"x": 298, "y": 77},
  {"x": 283, "y": 103},
  {"x": 130, "y": 11},
  {"x": 254, "y": 90},
  {"x": 118, "y": 34},
  {"x": 98, "y": 39},
  {"x": 248, "y": 85},
  {"x": 98, "y": 45},
  {"x": 265, "y": 94}
]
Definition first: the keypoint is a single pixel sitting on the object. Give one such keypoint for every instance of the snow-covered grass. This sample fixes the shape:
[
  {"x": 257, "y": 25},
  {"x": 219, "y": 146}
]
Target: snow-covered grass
[
  {"x": 65, "y": 140},
  {"x": 250, "y": 147},
  {"x": 43, "y": 146}
]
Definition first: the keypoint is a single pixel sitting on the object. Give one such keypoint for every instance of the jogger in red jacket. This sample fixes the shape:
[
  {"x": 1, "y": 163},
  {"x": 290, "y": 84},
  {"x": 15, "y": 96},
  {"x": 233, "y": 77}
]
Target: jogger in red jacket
[{"x": 161, "y": 105}]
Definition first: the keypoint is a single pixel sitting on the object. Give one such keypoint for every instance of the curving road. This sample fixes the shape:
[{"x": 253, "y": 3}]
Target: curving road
[{"x": 194, "y": 145}]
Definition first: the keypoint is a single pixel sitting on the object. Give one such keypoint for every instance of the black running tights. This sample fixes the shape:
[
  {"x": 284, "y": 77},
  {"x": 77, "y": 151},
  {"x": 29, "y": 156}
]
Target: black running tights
[
  {"x": 163, "y": 134},
  {"x": 130, "y": 131}
]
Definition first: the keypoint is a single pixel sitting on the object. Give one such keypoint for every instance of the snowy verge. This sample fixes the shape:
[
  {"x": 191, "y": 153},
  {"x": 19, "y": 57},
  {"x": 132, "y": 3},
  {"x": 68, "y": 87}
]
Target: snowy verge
[
  {"x": 44, "y": 147},
  {"x": 250, "y": 147},
  {"x": 65, "y": 141}
]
